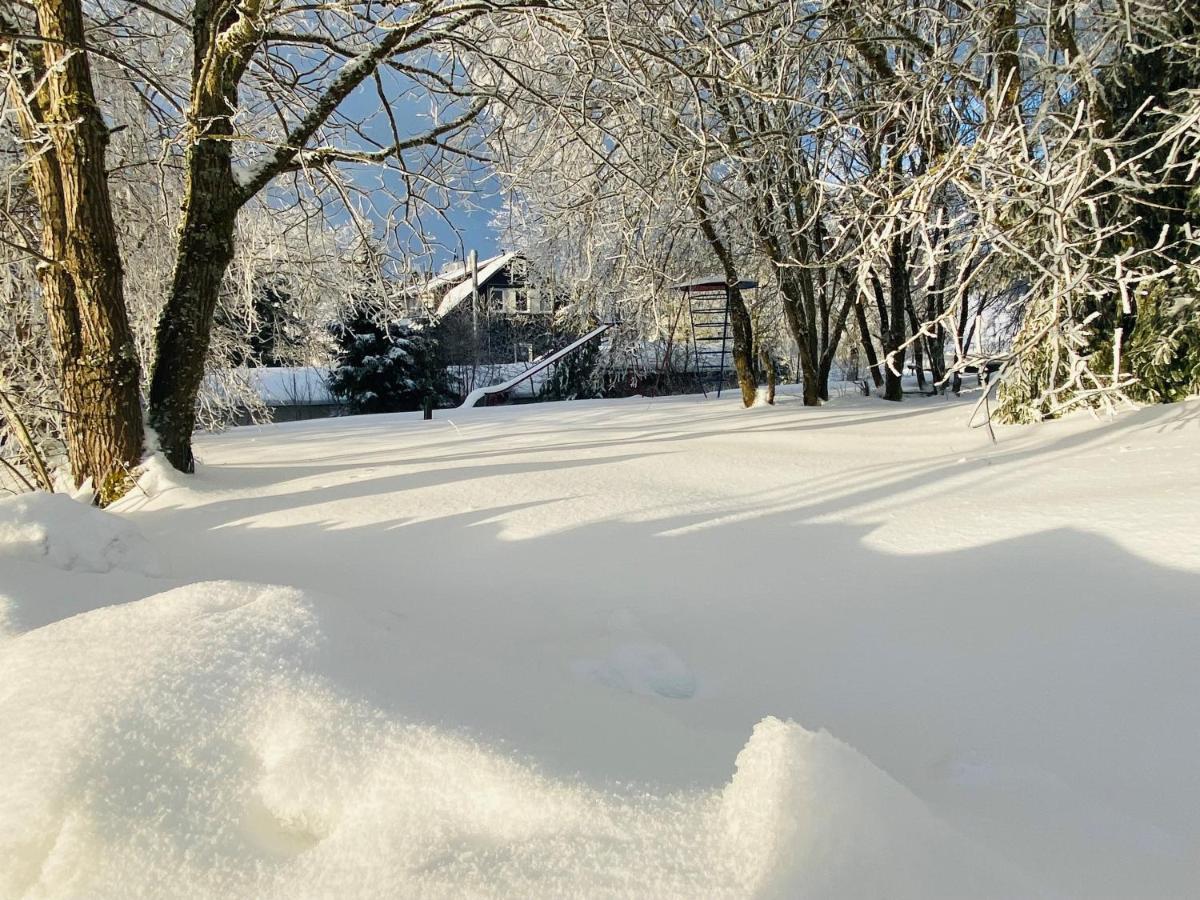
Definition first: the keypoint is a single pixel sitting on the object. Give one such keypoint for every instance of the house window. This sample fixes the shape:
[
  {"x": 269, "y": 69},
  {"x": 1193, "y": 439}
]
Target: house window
[
  {"x": 522, "y": 302},
  {"x": 517, "y": 269},
  {"x": 495, "y": 300},
  {"x": 524, "y": 352}
]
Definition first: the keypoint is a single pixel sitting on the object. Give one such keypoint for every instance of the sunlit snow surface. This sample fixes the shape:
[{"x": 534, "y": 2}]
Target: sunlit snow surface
[{"x": 661, "y": 648}]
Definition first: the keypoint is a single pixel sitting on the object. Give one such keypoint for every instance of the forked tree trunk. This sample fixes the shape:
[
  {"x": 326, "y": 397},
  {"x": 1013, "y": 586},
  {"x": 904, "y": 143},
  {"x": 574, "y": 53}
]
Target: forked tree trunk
[
  {"x": 82, "y": 286},
  {"x": 834, "y": 331},
  {"x": 224, "y": 39}
]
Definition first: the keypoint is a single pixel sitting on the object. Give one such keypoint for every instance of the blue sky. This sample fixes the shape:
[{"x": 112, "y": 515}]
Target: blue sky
[
  {"x": 469, "y": 225},
  {"x": 467, "y": 221}
]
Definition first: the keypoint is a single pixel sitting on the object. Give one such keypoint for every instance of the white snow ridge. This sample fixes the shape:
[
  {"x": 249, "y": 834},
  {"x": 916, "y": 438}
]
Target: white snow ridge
[
  {"x": 178, "y": 746},
  {"x": 69, "y": 535}
]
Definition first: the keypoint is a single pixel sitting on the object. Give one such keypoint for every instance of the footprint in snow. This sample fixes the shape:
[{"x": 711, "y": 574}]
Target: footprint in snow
[{"x": 638, "y": 664}]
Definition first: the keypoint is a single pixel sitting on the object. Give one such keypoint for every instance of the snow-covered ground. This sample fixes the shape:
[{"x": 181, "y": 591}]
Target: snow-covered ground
[{"x": 647, "y": 648}]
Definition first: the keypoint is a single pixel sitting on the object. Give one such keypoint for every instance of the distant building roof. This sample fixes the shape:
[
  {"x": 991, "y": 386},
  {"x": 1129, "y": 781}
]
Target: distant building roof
[{"x": 461, "y": 291}]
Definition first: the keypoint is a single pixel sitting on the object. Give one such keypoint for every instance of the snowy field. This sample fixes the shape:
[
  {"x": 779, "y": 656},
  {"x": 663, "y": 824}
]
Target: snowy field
[{"x": 638, "y": 648}]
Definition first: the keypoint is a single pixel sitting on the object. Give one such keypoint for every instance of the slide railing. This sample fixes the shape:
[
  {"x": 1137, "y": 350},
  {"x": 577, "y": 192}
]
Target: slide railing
[{"x": 479, "y": 393}]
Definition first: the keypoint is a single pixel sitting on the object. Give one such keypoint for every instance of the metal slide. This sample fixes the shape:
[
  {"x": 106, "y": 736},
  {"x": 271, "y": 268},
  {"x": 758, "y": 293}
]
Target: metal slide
[{"x": 479, "y": 393}]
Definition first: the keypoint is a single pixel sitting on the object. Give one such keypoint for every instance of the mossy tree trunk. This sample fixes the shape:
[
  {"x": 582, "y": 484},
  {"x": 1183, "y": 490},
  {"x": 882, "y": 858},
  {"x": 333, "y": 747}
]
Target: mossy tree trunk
[
  {"x": 204, "y": 249},
  {"x": 225, "y": 36},
  {"x": 81, "y": 275}
]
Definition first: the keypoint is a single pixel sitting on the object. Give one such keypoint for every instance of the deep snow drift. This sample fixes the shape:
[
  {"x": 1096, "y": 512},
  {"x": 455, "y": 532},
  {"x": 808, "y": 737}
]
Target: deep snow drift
[{"x": 661, "y": 648}]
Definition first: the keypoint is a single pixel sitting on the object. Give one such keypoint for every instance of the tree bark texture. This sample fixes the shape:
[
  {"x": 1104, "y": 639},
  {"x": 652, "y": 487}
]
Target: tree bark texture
[
  {"x": 82, "y": 279},
  {"x": 868, "y": 344},
  {"x": 212, "y": 198}
]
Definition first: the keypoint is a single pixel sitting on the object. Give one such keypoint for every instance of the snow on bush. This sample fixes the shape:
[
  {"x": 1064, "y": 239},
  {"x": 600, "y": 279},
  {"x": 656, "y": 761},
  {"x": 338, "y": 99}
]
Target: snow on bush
[
  {"x": 68, "y": 534},
  {"x": 187, "y": 745}
]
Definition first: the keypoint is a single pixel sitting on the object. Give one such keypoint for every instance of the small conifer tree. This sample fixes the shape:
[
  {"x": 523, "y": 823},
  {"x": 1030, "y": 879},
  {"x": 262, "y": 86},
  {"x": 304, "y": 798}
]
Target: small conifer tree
[{"x": 386, "y": 366}]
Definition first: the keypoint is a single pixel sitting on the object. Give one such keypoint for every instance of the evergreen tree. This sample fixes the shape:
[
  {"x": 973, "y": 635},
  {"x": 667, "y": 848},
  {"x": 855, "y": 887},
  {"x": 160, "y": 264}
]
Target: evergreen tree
[
  {"x": 574, "y": 376},
  {"x": 386, "y": 366},
  {"x": 270, "y": 333},
  {"x": 1162, "y": 339},
  {"x": 279, "y": 330}
]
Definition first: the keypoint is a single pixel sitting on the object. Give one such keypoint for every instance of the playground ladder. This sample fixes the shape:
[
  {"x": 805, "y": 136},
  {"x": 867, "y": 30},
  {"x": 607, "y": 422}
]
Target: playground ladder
[{"x": 708, "y": 310}]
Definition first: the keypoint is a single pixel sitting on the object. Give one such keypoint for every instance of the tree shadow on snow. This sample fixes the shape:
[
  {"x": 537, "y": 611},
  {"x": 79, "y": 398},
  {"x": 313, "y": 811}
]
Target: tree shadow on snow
[{"x": 1040, "y": 690}]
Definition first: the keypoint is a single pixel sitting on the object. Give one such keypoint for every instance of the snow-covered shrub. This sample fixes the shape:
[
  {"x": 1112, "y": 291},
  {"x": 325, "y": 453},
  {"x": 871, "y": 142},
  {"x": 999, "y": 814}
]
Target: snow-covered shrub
[
  {"x": 1164, "y": 351},
  {"x": 574, "y": 376}
]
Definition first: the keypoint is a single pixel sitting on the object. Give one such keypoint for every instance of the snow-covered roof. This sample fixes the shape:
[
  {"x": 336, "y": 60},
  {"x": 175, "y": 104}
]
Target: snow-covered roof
[
  {"x": 462, "y": 291},
  {"x": 290, "y": 385},
  {"x": 711, "y": 281}
]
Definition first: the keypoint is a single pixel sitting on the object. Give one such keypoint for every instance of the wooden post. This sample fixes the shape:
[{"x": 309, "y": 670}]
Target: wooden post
[{"x": 473, "y": 267}]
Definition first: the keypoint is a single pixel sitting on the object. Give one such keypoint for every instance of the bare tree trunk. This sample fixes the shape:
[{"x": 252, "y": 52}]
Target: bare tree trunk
[
  {"x": 205, "y": 251},
  {"x": 918, "y": 348},
  {"x": 894, "y": 334},
  {"x": 864, "y": 334},
  {"x": 768, "y": 365},
  {"x": 893, "y": 385},
  {"x": 212, "y": 198},
  {"x": 743, "y": 344},
  {"x": 82, "y": 285},
  {"x": 794, "y": 311},
  {"x": 934, "y": 308},
  {"x": 891, "y": 334}
]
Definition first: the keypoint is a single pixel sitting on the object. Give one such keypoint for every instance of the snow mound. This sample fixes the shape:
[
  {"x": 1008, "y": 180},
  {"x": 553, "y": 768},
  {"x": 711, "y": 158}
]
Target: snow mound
[
  {"x": 71, "y": 535},
  {"x": 808, "y": 816},
  {"x": 156, "y": 477},
  {"x": 185, "y": 745},
  {"x": 120, "y": 758}
]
